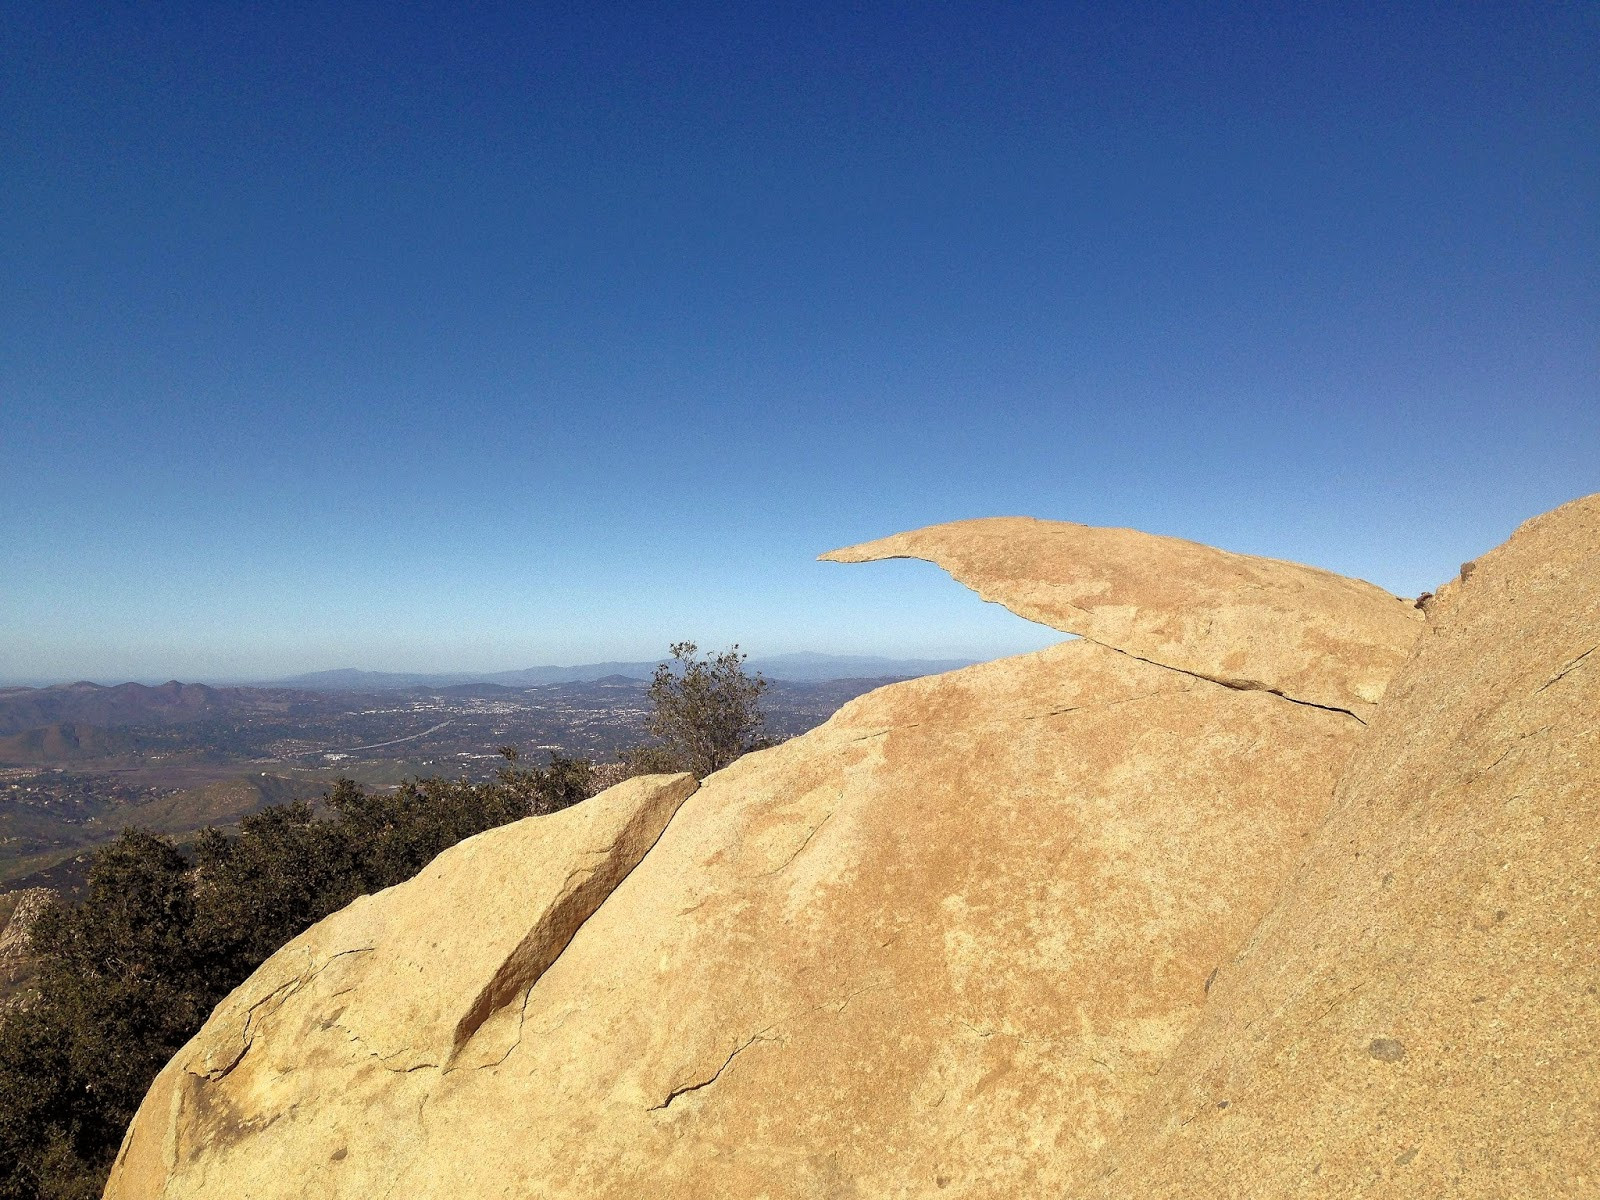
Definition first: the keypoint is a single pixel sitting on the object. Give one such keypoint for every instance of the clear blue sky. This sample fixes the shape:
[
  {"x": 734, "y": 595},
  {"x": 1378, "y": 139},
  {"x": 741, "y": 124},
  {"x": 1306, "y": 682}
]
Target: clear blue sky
[{"x": 482, "y": 336}]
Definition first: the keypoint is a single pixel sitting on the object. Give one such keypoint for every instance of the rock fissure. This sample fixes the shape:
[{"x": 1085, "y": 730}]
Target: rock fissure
[
  {"x": 1235, "y": 685},
  {"x": 1567, "y": 669},
  {"x": 522, "y": 1025},
  {"x": 280, "y": 993},
  {"x": 323, "y": 965},
  {"x": 1094, "y": 707},
  {"x": 838, "y": 1006},
  {"x": 384, "y": 1058},
  {"x": 1063, "y": 710},
  {"x": 217, "y": 1073},
  {"x": 715, "y": 1075},
  {"x": 800, "y": 849},
  {"x": 582, "y": 896}
]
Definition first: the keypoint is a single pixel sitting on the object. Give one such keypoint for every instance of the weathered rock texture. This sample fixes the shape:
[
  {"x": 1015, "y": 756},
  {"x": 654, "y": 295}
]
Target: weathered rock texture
[
  {"x": 1252, "y": 623},
  {"x": 19, "y": 911},
  {"x": 938, "y": 946},
  {"x": 1419, "y": 1014},
  {"x": 431, "y": 974}
]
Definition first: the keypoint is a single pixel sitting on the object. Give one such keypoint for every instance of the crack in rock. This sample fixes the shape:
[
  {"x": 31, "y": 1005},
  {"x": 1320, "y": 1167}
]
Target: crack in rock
[
  {"x": 583, "y": 893},
  {"x": 280, "y": 993},
  {"x": 1566, "y": 670},
  {"x": 715, "y": 1075},
  {"x": 838, "y": 1006},
  {"x": 1063, "y": 710},
  {"x": 1236, "y": 685},
  {"x": 806, "y": 841}
]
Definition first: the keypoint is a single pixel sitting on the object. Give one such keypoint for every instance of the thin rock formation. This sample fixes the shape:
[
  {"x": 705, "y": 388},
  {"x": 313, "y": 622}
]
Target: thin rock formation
[{"x": 1256, "y": 624}]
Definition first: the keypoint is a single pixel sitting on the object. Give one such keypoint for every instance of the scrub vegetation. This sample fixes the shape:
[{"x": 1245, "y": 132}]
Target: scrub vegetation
[{"x": 130, "y": 973}]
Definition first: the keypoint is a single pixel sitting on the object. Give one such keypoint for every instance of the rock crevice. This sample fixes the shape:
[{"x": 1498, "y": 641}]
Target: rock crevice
[
  {"x": 688, "y": 1088},
  {"x": 1236, "y": 685},
  {"x": 584, "y": 890}
]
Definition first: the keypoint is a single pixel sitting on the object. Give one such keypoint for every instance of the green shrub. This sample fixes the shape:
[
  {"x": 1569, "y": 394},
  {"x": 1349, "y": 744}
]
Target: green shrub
[
  {"x": 131, "y": 973},
  {"x": 704, "y": 714}
]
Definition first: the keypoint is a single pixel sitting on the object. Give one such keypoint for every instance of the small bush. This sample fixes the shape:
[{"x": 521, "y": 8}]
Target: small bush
[{"x": 704, "y": 714}]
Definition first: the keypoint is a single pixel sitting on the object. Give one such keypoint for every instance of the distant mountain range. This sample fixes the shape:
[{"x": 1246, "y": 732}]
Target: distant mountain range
[
  {"x": 796, "y": 668},
  {"x": 70, "y": 721}
]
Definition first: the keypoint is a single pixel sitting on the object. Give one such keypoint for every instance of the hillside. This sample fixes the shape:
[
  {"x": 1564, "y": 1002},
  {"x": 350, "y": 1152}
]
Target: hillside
[
  {"x": 46, "y": 847},
  {"x": 64, "y": 742},
  {"x": 124, "y": 704}
]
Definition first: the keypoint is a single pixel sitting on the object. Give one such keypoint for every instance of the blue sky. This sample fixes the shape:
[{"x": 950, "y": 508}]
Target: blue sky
[{"x": 477, "y": 337}]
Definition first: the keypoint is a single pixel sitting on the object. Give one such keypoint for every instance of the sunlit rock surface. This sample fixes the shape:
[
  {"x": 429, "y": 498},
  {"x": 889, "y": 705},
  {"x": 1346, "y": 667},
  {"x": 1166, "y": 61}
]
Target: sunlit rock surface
[
  {"x": 939, "y": 945},
  {"x": 1253, "y": 623},
  {"x": 1419, "y": 1014}
]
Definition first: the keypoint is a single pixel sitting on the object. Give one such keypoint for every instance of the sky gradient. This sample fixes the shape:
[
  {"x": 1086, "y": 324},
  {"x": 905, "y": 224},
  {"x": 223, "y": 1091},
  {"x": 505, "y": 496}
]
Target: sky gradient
[{"x": 416, "y": 338}]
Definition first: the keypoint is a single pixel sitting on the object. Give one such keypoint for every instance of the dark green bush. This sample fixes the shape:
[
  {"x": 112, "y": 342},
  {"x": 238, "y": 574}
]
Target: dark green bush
[
  {"x": 131, "y": 973},
  {"x": 704, "y": 714}
]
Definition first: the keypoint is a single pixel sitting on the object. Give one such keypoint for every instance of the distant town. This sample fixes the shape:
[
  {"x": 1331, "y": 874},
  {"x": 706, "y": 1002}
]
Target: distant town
[{"x": 79, "y": 762}]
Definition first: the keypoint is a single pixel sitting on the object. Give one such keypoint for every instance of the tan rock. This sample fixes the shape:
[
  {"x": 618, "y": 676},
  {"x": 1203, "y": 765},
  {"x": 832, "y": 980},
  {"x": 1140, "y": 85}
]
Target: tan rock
[
  {"x": 1246, "y": 622},
  {"x": 431, "y": 973},
  {"x": 938, "y": 945},
  {"x": 19, "y": 911},
  {"x": 1419, "y": 1015}
]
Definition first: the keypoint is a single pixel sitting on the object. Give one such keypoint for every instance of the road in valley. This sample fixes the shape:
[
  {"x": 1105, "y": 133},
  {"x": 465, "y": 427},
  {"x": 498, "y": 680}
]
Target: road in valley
[{"x": 410, "y": 737}]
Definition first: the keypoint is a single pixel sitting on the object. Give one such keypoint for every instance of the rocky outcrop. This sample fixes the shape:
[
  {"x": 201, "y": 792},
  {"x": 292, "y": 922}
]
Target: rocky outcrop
[
  {"x": 431, "y": 974},
  {"x": 1419, "y": 1014},
  {"x": 1245, "y": 622},
  {"x": 19, "y": 911},
  {"x": 940, "y": 945}
]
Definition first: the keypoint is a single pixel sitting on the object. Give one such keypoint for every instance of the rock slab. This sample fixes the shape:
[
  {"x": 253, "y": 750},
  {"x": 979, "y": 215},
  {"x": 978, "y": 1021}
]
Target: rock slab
[
  {"x": 428, "y": 975},
  {"x": 1419, "y": 1014},
  {"x": 1246, "y": 622}
]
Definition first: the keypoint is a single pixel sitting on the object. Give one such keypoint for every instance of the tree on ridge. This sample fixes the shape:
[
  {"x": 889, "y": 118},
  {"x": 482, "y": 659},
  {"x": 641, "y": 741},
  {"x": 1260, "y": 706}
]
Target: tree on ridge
[{"x": 705, "y": 712}]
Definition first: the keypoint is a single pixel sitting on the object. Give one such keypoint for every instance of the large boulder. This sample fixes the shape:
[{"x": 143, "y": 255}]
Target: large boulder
[
  {"x": 1419, "y": 1013},
  {"x": 429, "y": 975},
  {"x": 938, "y": 945},
  {"x": 1245, "y": 622}
]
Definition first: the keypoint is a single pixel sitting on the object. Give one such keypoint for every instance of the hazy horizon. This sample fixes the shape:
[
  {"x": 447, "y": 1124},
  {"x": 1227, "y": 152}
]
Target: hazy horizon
[
  {"x": 428, "y": 339},
  {"x": 755, "y": 660}
]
